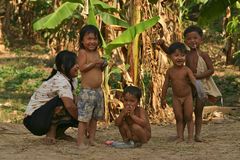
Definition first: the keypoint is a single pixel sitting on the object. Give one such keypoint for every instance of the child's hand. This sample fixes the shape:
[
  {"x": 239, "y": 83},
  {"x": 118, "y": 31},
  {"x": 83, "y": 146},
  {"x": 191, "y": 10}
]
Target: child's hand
[
  {"x": 129, "y": 110},
  {"x": 105, "y": 63},
  {"x": 125, "y": 111},
  {"x": 195, "y": 75},
  {"x": 163, "y": 103},
  {"x": 99, "y": 63},
  {"x": 160, "y": 42}
]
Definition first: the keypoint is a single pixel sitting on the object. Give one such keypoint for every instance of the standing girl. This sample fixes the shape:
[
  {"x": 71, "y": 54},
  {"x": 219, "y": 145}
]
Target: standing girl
[{"x": 90, "y": 100}]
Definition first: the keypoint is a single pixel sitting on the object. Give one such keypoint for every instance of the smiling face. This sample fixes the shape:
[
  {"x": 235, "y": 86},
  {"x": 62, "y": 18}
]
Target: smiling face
[
  {"x": 130, "y": 101},
  {"x": 90, "y": 41},
  {"x": 178, "y": 58},
  {"x": 193, "y": 40}
]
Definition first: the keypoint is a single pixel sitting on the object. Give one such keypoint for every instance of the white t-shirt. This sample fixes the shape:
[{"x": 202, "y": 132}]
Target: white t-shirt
[{"x": 58, "y": 85}]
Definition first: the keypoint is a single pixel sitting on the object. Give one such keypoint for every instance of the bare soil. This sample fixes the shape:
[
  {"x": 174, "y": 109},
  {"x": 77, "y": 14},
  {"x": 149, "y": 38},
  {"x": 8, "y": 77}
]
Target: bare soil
[{"x": 221, "y": 132}]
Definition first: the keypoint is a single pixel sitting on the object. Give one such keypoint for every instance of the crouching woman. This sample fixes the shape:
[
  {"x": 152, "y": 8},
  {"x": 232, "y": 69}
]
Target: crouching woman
[{"x": 51, "y": 109}]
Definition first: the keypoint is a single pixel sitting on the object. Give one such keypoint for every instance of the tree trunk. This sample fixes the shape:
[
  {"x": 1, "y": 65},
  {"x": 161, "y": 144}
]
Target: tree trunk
[
  {"x": 133, "y": 48},
  {"x": 229, "y": 40}
]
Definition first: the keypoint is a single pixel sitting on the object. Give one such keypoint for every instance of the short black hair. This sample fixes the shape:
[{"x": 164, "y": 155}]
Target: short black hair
[
  {"x": 133, "y": 90},
  {"x": 176, "y": 45},
  {"x": 193, "y": 28},
  {"x": 90, "y": 29}
]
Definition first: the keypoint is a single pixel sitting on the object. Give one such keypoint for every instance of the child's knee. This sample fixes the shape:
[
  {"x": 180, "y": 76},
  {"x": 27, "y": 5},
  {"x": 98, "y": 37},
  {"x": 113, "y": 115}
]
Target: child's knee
[
  {"x": 136, "y": 127},
  {"x": 188, "y": 118},
  {"x": 179, "y": 118}
]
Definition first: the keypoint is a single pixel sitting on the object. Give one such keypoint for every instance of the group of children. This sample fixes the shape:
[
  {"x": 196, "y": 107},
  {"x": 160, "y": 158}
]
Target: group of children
[
  {"x": 190, "y": 78},
  {"x": 133, "y": 122}
]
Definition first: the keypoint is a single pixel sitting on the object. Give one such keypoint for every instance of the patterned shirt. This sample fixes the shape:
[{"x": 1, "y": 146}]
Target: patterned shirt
[{"x": 58, "y": 85}]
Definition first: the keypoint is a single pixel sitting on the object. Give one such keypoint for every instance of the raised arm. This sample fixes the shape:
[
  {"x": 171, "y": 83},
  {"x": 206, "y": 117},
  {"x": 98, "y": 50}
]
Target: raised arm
[{"x": 162, "y": 44}]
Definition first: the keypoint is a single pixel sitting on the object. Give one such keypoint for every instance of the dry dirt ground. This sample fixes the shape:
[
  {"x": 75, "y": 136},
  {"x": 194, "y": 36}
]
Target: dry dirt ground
[{"x": 221, "y": 134}]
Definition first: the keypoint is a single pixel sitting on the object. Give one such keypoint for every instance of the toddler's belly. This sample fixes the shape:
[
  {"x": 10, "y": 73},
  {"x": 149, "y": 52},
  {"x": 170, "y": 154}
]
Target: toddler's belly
[
  {"x": 93, "y": 80},
  {"x": 182, "y": 91}
]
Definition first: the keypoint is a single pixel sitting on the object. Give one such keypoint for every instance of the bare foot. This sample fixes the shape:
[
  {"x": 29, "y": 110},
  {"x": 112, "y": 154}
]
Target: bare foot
[
  {"x": 190, "y": 140},
  {"x": 82, "y": 147},
  {"x": 92, "y": 143},
  {"x": 49, "y": 140},
  {"x": 198, "y": 139},
  {"x": 172, "y": 138},
  {"x": 137, "y": 144},
  {"x": 179, "y": 140},
  {"x": 50, "y": 136}
]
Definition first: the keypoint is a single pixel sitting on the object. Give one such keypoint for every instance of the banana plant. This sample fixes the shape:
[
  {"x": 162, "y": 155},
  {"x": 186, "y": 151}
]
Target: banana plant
[{"x": 97, "y": 8}]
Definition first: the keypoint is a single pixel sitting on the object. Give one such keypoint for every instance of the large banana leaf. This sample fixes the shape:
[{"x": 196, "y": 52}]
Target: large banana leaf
[
  {"x": 74, "y": 1},
  {"x": 213, "y": 9},
  {"x": 92, "y": 19},
  {"x": 103, "y": 6},
  {"x": 128, "y": 35},
  {"x": 52, "y": 20},
  {"x": 112, "y": 20}
]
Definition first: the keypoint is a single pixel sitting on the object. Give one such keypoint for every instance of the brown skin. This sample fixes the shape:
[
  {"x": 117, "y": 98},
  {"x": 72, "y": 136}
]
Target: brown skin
[
  {"x": 180, "y": 77},
  {"x": 91, "y": 66},
  {"x": 194, "y": 40},
  {"x": 162, "y": 44},
  {"x": 133, "y": 122}
]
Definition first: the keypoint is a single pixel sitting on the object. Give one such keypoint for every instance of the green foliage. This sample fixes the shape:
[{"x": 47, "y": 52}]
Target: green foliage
[
  {"x": 52, "y": 20},
  {"x": 229, "y": 85},
  {"x": 115, "y": 77},
  {"x": 213, "y": 9},
  {"x": 128, "y": 35},
  {"x": 40, "y": 6},
  {"x": 20, "y": 75},
  {"x": 153, "y": 1},
  {"x": 147, "y": 83},
  {"x": 234, "y": 25},
  {"x": 21, "y": 80},
  {"x": 103, "y": 6},
  {"x": 236, "y": 58},
  {"x": 73, "y": 1},
  {"x": 115, "y": 80},
  {"x": 112, "y": 20},
  {"x": 91, "y": 15}
]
